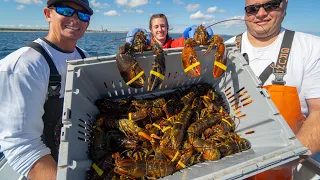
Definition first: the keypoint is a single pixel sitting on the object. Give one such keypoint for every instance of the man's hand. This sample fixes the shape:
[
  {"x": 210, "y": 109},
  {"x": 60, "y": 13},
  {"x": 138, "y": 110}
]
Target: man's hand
[
  {"x": 44, "y": 168},
  {"x": 308, "y": 135}
]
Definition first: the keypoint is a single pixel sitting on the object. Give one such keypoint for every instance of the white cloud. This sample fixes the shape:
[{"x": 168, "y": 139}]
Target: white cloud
[
  {"x": 139, "y": 11},
  {"x": 158, "y": 2},
  {"x": 97, "y": 10},
  {"x": 128, "y": 11},
  {"x": 215, "y": 9},
  {"x": 234, "y": 23},
  {"x": 111, "y": 13},
  {"x": 192, "y": 7},
  {"x": 6, "y": 0},
  {"x": 29, "y": 1},
  {"x": 24, "y": 26},
  {"x": 96, "y": 4},
  {"x": 131, "y": 3},
  {"x": 20, "y": 7},
  {"x": 200, "y": 16},
  {"x": 178, "y": 2}
]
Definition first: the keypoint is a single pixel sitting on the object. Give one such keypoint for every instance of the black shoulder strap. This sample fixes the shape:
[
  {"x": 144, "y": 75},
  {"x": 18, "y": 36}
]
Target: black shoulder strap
[
  {"x": 55, "y": 78},
  {"x": 238, "y": 41},
  {"x": 266, "y": 73},
  {"x": 80, "y": 52},
  {"x": 280, "y": 69}
]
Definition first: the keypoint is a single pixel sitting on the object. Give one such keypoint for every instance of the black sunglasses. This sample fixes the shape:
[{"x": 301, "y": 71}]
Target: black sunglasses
[
  {"x": 268, "y": 6},
  {"x": 69, "y": 11}
]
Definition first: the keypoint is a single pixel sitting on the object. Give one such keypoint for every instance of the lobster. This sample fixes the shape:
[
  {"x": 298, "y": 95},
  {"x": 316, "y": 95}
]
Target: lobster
[
  {"x": 210, "y": 152},
  {"x": 186, "y": 155},
  {"x": 158, "y": 68},
  {"x": 129, "y": 128},
  {"x": 178, "y": 129},
  {"x": 152, "y": 108},
  {"x": 172, "y": 107},
  {"x": 98, "y": 144},
  {"x": 140, "y": 42},
  {"x": 220, "y": 60},
  {"x": 142, "y": 168},
  {"x": 233, "y": 144},
  {"x": 190, "y": 60},
  {"x": 182, "y": 121},
  {"x": 128, "y": 66}
]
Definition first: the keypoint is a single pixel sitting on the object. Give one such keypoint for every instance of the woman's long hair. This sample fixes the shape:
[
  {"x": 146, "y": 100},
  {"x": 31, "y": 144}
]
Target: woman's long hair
[{"x": 159, "y": 16}]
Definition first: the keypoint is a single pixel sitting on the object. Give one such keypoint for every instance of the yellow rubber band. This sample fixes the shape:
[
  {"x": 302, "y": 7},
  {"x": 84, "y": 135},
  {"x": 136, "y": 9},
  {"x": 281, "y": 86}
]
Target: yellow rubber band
[
  {"x": 213, "y": 96},
  {"x": 130, "y": 116},
  {"x": 221, "y": 109},
  {"x": 226, "y": 122},
  {"x": 161, "y": 76},
  {"x": 157, "y": 126},
  {"x": 192, "y": 66},
  {"x": 181, "y": 164},
  {"x": 135, "y": 78},
  {"x": 166, "y": 128},
  {"x": 206, "y": 97},
  {"x": 97, "y": 169},
  {"x": 171, "y": 119},
  {"x": 220, "y": 65},
  {"x": 175, "y": 156},
  {"x": 178, "y": 122}
]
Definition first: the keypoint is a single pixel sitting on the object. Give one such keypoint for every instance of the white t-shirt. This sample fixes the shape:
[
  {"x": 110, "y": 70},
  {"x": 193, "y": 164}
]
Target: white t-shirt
[
  {"x": 24, "y": 79},
  {"x": 303, "y": 68}
]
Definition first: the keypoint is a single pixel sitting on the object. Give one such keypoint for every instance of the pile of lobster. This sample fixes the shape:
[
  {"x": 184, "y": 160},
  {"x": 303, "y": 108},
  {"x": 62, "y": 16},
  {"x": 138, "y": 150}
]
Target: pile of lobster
[
  {"x": 155, "y": 137},
  {"x": 134, "y": 75}
]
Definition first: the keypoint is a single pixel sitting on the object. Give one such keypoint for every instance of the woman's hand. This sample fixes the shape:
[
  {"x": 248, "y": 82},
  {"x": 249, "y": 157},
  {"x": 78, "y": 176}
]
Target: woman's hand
[
  {"x": 189, "y": 32},
  {"x": 131, "y": 34}
]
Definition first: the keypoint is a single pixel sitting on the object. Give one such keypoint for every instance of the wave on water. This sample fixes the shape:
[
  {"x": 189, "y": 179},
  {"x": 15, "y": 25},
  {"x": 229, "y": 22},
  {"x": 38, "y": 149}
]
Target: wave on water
[{"x": 94, "y": 43}]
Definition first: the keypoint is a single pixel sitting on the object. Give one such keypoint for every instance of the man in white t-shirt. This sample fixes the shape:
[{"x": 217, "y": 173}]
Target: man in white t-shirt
[
  {"x": 32, "y": 82},
  {"x": 262, "y": 43}
]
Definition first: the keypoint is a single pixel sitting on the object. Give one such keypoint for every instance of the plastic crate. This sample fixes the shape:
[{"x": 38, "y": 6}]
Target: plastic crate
[{"x": 273, "y": 142}]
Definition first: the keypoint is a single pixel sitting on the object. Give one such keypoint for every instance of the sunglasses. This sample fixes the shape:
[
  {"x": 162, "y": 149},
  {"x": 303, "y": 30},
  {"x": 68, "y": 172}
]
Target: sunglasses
[
  {"x": 69, "y": 11},
  {"x": 268, "y": 7}
]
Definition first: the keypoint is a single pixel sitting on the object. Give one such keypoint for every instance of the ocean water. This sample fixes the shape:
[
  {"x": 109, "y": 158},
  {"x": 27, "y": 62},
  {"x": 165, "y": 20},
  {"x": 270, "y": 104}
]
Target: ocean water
[{"x": 96, "y": 44}]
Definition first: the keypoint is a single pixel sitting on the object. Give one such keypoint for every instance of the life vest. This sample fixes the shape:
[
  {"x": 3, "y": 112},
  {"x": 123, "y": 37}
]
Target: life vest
[
  {"x": 285, "y": 98},
  {"x": 53, "y": 107},
  {"x": 172, "y": 43}
]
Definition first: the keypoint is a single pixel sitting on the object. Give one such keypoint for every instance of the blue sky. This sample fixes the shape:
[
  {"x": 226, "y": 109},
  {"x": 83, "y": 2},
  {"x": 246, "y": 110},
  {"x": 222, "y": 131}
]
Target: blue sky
[{"x": 123, "y": 15}]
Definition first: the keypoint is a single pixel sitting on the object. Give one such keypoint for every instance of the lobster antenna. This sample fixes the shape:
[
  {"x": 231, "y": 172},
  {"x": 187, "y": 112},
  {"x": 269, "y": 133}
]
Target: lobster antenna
[
  {"x": 235, "y": 19},
  {"x": 113, "y": 40},
  {"x": 234, "y": 118}
]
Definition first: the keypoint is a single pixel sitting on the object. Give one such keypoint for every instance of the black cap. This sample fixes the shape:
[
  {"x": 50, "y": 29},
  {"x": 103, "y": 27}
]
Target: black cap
[{"x": 83, "y": 3}]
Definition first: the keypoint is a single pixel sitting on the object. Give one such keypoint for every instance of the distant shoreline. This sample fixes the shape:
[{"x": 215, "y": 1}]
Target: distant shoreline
[
  {"x": 23, "y": 31},
  {"x": 46, "y": 30}
]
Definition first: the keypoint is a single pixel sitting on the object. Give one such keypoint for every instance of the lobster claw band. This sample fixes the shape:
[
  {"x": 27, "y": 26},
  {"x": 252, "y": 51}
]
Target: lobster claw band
[
  {"x": 159, "y": 75},
  {"x": 135, "y": 78},
  {"x": 191, "y": 66},
  {"x": 220, "y": 65}
]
